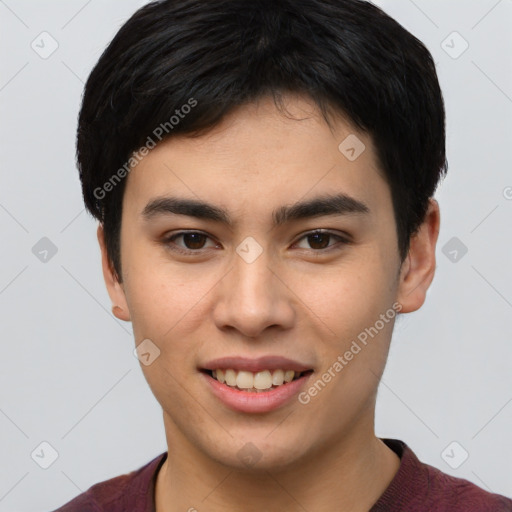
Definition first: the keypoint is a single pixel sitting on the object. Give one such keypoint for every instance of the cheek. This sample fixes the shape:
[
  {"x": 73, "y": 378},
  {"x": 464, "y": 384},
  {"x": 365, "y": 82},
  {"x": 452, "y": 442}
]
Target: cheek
[
  {"x": 159, "y": 293},
  {"x": 163, "y": 304},
  {"x": 166, "y": 308},
  {"x": 353, "y": 343},
  {"x": 347, "y": 298}
]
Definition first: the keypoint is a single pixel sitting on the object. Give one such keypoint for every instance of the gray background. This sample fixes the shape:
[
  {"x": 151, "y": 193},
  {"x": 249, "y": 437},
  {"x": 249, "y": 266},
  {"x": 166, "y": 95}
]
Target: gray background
[{"x": 68, "y": 376}]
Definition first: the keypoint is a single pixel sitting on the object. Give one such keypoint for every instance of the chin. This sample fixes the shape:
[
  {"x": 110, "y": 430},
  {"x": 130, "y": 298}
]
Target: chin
[{"x": 259, "y": 454}]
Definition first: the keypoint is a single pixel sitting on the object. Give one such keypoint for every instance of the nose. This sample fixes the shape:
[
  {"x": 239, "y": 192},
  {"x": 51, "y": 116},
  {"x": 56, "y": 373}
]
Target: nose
[{"x": 253, "y": 297}]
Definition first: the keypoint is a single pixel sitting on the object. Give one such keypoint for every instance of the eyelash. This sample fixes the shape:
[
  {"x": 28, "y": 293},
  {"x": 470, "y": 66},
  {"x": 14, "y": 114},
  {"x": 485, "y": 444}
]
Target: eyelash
[{"x": 169, "y": 241}]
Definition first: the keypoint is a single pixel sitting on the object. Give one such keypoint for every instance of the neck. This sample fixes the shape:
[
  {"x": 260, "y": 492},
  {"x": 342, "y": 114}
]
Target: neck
[{"x": 353, "y": 473}]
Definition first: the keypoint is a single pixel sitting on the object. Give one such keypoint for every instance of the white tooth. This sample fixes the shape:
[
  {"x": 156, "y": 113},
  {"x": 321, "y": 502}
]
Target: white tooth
[
  {"x": 230, "y": 377},
  {"x": 288, "y": 375},
  {"x": 263, "y": 380},
  {"x": 277, "y": 377},
  {"x": 214, "y": 374},
  {"x": 220, "y": 376},
  {"x": 245, "y": 380}
]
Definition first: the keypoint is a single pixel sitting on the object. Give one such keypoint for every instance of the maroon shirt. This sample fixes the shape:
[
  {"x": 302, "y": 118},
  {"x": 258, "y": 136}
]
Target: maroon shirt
[{"x": 417, "y": 487}]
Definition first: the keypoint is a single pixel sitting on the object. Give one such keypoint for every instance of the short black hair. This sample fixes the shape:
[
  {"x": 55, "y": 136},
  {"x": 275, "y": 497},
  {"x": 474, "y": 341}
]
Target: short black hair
[{"x": 180, "y": 66}]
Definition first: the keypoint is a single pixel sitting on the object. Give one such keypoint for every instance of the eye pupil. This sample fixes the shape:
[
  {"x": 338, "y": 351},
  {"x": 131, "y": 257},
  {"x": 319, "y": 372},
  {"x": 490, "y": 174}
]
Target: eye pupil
[
  {"x": 194, "y": 240},
  {"x": 319, "y": 237}
]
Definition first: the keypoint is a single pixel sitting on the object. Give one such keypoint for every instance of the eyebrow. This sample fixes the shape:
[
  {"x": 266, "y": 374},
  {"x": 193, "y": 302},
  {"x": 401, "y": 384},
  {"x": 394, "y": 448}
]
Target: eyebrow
[{"x": 340, "y": 204}]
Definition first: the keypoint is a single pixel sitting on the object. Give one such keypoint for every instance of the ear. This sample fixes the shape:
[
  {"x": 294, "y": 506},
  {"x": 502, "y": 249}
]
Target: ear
[
  {"x": 419, "y": 267},
  {"x": 114, "y": 288}
]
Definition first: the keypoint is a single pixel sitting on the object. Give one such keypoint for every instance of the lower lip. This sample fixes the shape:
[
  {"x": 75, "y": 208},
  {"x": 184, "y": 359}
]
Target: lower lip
[{"x": 246, "y": 401}]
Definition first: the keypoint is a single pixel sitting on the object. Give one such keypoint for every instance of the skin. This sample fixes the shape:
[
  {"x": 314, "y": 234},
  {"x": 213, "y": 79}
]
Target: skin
[{"x": 297, "y": 300}]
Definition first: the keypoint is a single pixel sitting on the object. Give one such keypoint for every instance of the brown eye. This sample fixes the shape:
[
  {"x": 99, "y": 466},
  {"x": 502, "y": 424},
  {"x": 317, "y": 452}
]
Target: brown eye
[
  {"x": 192, "y": 241},
  {"x": 322, "y": 241},
  {"x": 319, "y": 240}
]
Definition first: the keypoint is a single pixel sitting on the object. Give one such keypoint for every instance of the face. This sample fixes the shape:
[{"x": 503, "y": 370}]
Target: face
[{"x": 264, "y": 243}]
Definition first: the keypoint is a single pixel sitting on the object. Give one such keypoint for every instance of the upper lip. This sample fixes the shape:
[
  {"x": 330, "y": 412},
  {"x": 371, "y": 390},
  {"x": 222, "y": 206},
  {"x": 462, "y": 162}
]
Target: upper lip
[{"x": 255, "y": 365}]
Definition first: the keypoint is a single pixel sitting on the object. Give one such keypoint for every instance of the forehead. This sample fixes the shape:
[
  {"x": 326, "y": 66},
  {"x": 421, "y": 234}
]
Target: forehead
[{"x": 258, "y": 159}]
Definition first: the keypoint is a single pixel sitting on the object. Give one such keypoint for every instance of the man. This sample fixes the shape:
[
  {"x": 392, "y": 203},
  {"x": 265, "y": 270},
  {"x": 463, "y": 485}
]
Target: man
[{"x": 263, "y": 173}]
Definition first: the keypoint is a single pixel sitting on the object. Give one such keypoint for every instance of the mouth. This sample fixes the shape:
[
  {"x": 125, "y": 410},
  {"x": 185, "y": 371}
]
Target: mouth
[
  {"x": 262, "y": 381},
  {"x": 255, "y": 385}
]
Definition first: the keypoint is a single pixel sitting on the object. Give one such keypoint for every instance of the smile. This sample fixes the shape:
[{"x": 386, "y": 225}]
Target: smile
[
  {"x": 251, "y": 399},
  {"x": 255, "y": 382}
]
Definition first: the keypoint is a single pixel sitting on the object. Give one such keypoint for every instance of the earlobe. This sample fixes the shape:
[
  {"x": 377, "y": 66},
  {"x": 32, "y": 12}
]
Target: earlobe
[
  {"x": 419, "y": 268},
  {"x": 119, "y": 312},
  {"x": 114, "y": 288}
]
